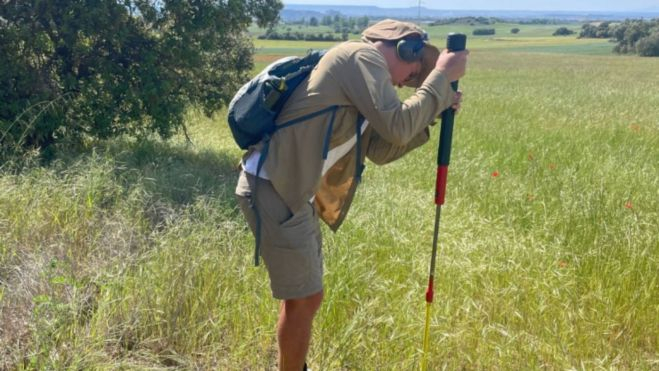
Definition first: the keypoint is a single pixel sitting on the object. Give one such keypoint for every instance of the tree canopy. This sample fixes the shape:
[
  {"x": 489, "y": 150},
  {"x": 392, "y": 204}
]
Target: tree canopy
[
  {"x": 74, "y": 68},
  {"x": 631, "y": 36}
]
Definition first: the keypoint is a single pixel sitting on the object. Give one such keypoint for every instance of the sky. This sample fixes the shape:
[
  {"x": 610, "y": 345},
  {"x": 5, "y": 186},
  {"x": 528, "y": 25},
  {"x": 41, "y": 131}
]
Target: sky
[{"x": 570, "y": 5}]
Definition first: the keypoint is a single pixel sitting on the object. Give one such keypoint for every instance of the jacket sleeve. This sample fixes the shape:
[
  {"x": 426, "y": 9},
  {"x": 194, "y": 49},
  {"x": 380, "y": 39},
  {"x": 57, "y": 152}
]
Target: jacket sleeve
[
  {"x": 382, "y": 152},
  {"x": 367, "y": 84}
]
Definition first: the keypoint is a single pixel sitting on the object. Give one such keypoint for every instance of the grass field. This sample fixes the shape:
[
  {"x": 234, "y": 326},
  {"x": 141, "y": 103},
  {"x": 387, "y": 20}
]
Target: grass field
[
  {"x": 134, "y": 256},
  {"x": 531, "y": 38}
]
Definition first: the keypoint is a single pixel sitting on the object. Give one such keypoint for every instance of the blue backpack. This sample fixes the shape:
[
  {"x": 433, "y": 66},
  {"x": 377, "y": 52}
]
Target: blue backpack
[{"x": 255, "y": 107}]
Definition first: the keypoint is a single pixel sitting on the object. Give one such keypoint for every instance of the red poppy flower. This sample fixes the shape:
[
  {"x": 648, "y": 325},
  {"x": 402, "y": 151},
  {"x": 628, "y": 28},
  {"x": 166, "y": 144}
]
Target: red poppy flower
[
  {"x": 495, "y": 174},
  {"x": 628, "y": 205}
]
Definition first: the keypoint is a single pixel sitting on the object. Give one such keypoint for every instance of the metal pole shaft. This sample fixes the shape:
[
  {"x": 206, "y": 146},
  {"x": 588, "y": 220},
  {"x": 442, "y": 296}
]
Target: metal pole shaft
[{"x": 455, "y": 42}]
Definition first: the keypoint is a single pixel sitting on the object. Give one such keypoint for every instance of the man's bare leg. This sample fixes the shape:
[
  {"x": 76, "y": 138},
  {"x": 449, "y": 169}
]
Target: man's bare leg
[{"x": 294, "y": 330}]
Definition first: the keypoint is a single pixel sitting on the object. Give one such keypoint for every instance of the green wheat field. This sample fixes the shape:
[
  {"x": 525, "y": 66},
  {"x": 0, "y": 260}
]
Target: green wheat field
[{"x": 133, "y": 255}]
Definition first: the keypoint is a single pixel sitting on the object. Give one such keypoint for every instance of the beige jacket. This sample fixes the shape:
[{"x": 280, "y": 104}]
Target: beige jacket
[{"x": 355, "y": 77}]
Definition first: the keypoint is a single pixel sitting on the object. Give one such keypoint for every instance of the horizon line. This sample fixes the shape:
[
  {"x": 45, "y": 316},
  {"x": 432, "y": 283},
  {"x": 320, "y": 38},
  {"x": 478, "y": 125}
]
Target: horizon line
[{"x": 650, "y": 10}]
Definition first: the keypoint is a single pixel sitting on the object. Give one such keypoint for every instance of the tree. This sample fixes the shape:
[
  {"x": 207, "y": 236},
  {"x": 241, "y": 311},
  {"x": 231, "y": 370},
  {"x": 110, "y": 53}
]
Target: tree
[
  {"x": 629, "y": 34},
  {"x": 602, "y": 30},
  {"x": 313, "y": 22},
  {"x": 103, "y": 68},
  {"x": 563, "y": 31},
  {"x": 588, "y": 31},
  {"x": 649, "y": 46},
  {"x": 362, "y": 22},
  {"x": 514, "y": 30}
]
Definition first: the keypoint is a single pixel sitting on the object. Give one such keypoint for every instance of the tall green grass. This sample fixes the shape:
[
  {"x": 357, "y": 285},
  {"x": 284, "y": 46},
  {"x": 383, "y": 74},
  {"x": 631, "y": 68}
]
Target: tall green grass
[{"x": 134, "y": 255}]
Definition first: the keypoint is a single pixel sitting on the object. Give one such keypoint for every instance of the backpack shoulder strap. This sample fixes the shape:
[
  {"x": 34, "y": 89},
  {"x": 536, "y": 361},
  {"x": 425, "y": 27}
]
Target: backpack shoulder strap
[{"x": 264, "y": 153}]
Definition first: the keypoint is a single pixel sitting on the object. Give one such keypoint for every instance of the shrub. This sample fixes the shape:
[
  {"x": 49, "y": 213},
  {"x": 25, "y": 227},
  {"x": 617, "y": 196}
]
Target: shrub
[
  {"x": 630, "y": 32},
  {"x": 484, "y": 31},
  {"x": 514, "y": 30},
  {"x": 563, "y": 31},
  {"x": 588, "y": 31},
  {"x": 648, "y": 46},
  {"x": 104, "y": 68},
  {"x": 603, "y": 30}
]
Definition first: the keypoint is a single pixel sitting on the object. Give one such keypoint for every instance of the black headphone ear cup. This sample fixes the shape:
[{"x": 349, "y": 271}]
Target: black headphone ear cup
[{"x": 409, "y": 50}]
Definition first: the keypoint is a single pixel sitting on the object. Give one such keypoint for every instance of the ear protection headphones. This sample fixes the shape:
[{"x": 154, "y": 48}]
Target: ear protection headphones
[{"x": 410, "y": 50}]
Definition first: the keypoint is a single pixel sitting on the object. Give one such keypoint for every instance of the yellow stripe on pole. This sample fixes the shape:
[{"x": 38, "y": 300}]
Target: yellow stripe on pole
[{"x": 426, "y": 338}]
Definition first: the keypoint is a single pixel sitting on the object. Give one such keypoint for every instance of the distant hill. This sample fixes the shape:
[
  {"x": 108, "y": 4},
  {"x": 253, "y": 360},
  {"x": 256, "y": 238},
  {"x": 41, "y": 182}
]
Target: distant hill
[{"x": 295, "y": 12}]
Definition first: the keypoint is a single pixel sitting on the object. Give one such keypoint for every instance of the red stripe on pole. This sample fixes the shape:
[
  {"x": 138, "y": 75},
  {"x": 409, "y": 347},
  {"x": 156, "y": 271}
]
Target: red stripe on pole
[
  {"x": 429, "y": 292},
  {"x": 440, "y": 186}
]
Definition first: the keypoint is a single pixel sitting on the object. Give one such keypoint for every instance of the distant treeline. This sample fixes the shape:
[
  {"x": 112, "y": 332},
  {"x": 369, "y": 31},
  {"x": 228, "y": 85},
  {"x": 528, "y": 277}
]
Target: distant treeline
[
  {"x": 301, "y": 36},
  {"x": 633, "y": 36},
  {"x": 472, "y": 21},
  {"x": 341, "y": 25},
  {"x": 543, "y": 21},
  {"x": 337, "y": 21}
]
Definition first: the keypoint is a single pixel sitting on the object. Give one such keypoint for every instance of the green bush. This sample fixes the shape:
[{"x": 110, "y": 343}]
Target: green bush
[
  {"x": 648, "y": 46},
  {"x": 563, "y": 31},
  {"x": 484, "y": 31},
  {"x": 629, "y": 34},
  {"x": 603, "y": 30},
  {"x": 514, "y": 30},
  {"x": 73, "y": 69}
]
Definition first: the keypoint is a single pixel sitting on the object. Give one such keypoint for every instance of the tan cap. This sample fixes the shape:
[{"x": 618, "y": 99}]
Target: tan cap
[{"x": 391, "y": 29}]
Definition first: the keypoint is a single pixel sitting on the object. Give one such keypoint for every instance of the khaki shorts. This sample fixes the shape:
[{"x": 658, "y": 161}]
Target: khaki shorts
[{"x": 291, "y": 245}]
